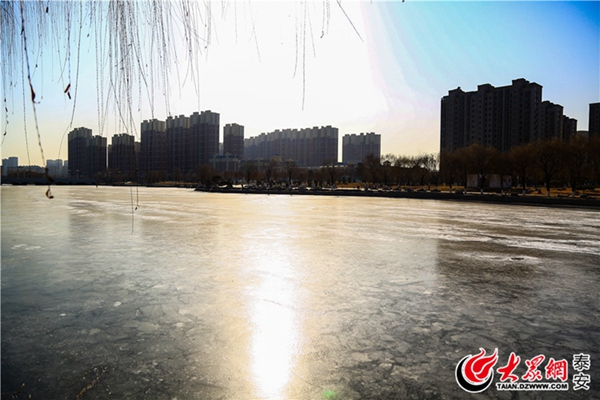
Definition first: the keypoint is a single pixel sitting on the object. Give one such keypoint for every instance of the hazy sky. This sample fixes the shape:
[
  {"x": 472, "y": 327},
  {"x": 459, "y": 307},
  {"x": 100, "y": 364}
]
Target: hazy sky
[{"x": 388, "y": 78}]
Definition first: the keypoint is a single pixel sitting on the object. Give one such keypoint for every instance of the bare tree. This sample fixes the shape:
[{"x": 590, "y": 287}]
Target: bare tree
[
  {"x": 350, "y": 173},
  {"x": 503, "y": 167},
  {"x": 373, "y": 167},
  {"x": 387, "y": 168},
  {"x": 521, "y": 161},
  {"x": 594, "y": 158},
  {"x": 330, "y": 171},
  {"x": 291, "y": 168},
  {"x": 463, "y": 164},
  {"x": 271, "y": 169},
  {"x": 310, "y": 177},
  {"x": 249, "y": 168},
  {"x": 318, "y": 177},
  {"x": 548, "y": 159},
  {"x": 483, "y": 161},
  {"x": 177, "y": 175},
  {"x": 448, "y": 167},
  {"x": 204, "y": 174},
  {"x": 575, "y": 160},
  {"x": 403, "y": 165},
  {"x": 362, "y": 173},
  {"x": 431, "y": 164},
  {"x": 419, "y": 166}
]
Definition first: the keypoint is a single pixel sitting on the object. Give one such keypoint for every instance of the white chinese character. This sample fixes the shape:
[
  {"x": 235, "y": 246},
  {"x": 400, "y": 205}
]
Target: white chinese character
[
  {"x": 581, "y": 362},
  {"x": 581, "y": 381}
]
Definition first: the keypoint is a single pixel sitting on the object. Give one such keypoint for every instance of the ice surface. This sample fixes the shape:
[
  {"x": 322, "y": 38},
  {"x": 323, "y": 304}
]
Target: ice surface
[{"x": 248, "y": 296}]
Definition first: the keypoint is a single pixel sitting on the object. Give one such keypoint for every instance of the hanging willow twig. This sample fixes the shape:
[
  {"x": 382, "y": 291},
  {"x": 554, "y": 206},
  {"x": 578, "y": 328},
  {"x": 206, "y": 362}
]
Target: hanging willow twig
[{"x": 135, "y": 43}]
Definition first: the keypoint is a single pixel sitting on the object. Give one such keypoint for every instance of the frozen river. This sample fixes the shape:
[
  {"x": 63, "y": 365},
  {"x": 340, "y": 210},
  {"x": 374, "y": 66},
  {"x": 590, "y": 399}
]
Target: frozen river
[{"x": 228, "y": 296}]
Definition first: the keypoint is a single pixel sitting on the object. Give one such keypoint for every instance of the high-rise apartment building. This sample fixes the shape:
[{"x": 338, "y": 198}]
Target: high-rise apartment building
[
  {"x": 178, "y": 144},
  {"x": 309, "y": 147},
  {"x": 57, "y": 168},
  {"x": 594, "y": 121},
  {"x": 8, "y": 164},
  {"x": 122, "y": 157},
  {"x": 224, "y": 163},
  {"x": 551, "y": 121},
  {"x": 87, "y": 153},
  {"x": 97, "y": 155},
  {"x": 204, "y": 138},
  {"x": 79, "y": 161},
  {"x": 524, "y": 99},
  {"x": 501, "y": 117},
  {"x": 356, "y": 147},
  {"x": 233, "y": 140},
  {"x": 323, "y": 144},
  {"x": 569, "y": 127},
  {"x": 153, "y": 146},
  {"x": 255, "y": 147}
]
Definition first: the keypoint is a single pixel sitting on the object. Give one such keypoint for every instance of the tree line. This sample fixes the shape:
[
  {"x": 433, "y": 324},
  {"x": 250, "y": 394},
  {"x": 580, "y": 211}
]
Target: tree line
[{"x": 573, "y": 163}]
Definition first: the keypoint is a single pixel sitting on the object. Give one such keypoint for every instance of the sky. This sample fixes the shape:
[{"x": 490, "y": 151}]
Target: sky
[{"x": 367, "y": 66}]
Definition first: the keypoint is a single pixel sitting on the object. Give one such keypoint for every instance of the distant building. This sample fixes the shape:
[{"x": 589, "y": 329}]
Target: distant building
[
  {"x": 255, "y": 147},
  {"x": 594, "y": 121},
  {"x": 569, "y": 127},
  {"x": 87, "y": 153},
  {"x": 225, "y": 163},
  {"x": 79, "y": 160},
  {"x": 36, "y": 169},
  {"x": 178, "y": 144},
  {"x": 502, "y": 117},
  {"x": 309, "y": 147},
  {"x": 8, "y": 164},
  {"x": 233, "y": 140},
  {"x": 57, "y": 168},
  {"x": 550, "y": 122},
  {"x": 356, "y": 147},
  {"x": 153, "y": 147},
  {"x": 122, "y": 157},
  {"x": 97, "y": 153},
  {"x": 204, "y": 138}
]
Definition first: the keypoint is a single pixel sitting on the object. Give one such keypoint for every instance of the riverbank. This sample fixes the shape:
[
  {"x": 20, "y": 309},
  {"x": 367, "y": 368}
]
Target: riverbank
[
  {"x": 423, "y": 195},
  {"x": 530, "y": 199}
]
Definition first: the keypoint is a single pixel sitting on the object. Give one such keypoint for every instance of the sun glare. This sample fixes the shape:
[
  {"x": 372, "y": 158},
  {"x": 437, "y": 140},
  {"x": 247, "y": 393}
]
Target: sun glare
[{"x": 274, "y": 322}]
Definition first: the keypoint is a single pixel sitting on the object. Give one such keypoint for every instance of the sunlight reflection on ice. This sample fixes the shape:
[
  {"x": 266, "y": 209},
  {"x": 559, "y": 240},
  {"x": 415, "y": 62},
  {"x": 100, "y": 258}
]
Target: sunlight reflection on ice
[{"x": 275, "y": 337}]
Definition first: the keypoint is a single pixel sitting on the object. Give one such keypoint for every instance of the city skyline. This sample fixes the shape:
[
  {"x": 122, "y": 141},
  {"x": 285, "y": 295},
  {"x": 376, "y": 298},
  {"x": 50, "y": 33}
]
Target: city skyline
[
  {"x": 388, "y": 80},
  {"x": 462, "y": 124},
  {"x": 501, "y": 117}
]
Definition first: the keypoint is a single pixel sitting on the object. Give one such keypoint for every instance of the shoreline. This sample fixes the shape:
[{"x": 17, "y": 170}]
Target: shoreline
[
  {"x": 492, "y": 198},
  {"x": 469, "y": 197}
]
